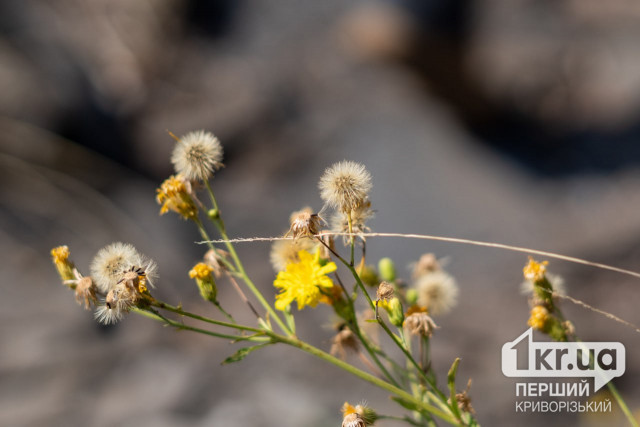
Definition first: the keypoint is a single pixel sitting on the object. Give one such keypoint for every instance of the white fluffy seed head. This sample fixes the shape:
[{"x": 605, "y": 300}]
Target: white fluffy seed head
[
  {"x": 111, "y": 262},
  {"x": 108, "y": 315},
  {"x": 437, "y": 291},
  {"x": 345, "y": 186},
  {"x": 197, "y": 155}
]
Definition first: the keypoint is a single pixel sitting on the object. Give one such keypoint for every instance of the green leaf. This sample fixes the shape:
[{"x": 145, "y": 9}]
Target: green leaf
[
  {"x": 451, "y": 379},
  {"x": 242, "y": 353}
]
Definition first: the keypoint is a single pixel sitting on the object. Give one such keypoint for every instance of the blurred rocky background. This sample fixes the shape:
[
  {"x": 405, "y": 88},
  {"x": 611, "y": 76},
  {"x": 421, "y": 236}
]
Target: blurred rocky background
[{"x": 499, "y": 120}]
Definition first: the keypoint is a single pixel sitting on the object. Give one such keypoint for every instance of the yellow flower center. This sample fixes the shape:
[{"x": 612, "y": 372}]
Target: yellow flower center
[
  {"x": 302, "y": 281},
  {"x": 201, "y": 271},
  {"x": 534, "y": 271},
  {"x": 60, "y": 254}
]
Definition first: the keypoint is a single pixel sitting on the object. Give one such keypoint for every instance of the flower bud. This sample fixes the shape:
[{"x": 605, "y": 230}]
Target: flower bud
[
  {"x": 387, "y": 269},
  {"x": 202, "y": 273}
]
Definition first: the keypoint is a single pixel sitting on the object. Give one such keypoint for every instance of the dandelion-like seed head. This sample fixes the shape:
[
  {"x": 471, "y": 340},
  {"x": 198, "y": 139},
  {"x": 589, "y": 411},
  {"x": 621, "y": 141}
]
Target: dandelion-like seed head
[
  {"x": 120, "y": 299},
  {"x": 437, "y": 291},
  {"x": 111, "y": 262},
  {"x": 197, "y": 155},
  {"x": 425, "y": 265},
  {"x": 304, "y": 281},
  {"x": 284, "y": 252},
  {"x": 345, "y": 186}
]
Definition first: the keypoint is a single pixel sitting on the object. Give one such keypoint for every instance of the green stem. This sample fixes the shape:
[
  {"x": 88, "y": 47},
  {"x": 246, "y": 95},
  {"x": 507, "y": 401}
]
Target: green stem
[
  {"x": 353, "y": 323},
  {"x": 622, "y": 404},
  {"x": 410, "y": 358},
  {"x": 207, "y": 239},
  {"x": 364, "y": 375},
  {"x": 176, "y": 310},
  {"x": 224, "y": 312},
  {"x": 353, "y": 240},
  {"x": 178, "y": 325},
  {"x": 240, "y": 268}
]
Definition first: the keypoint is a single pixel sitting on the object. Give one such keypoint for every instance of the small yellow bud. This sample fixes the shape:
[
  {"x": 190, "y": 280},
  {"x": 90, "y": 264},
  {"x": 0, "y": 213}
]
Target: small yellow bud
[
  {"x": 539, "y": 317},
  {"x": 394, "y": 310},
  {"x": 65, "y": 267},
  {"x": 534, "y": 271},
  {"x": 203, "y": 275}
]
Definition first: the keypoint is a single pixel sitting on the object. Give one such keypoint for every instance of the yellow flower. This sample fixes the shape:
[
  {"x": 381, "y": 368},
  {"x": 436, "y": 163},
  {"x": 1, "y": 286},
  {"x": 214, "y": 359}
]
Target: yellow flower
[
  {"x": 302, "y": 281},
  {"x": 534, "y": 271},
  {"x": 174, "y": 195},
  {"x": 539, "y": 317},
  {"x": 201, "y": 271},
  {"x": 60, "y": 256},
  {"x": 203, "y": 275}
]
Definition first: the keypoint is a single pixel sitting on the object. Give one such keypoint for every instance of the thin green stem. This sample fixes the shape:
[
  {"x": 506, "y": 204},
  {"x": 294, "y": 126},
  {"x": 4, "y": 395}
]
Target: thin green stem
[
  {"x": 365, "y": 376},
  {"x": 353, "y": 240},
  {"x": 410, "y": 358},
  {"x": 207, "y": 239},
  {"x": 224, "y": 312},
  {"x": 165, "y": 306},
  {"x": 182, "y": 326},
  {"x": 354, "y": 323},
  {"x": 239, "y": 266},
  {"x": 623, "y": 405}
]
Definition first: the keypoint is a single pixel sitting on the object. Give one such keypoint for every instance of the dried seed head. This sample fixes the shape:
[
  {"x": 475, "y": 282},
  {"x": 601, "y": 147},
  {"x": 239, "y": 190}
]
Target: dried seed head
[
  {"x": 111, "y": 262},
  {"x": 284, "y": 252},
  {"x": 344, "y": 342},
  {"x": 345, "y": 186},
  {"x": 120, "y": 299},
  {"x": 353, "y": 420},
  {"x": 215, "y": 259},
  {"x": 304, "y": 223},
  {"x": 197, "y": 155},
  {"x": 418, "y": 322},
  {"x": 175, "y": 194},
  {"x": 464, "y": 401},
  {"x": 437, "y": 291},
  {"x": 86, "y": 292},
  {"x": 425, "y": 265},
  {"x": 385, "y": 291}
]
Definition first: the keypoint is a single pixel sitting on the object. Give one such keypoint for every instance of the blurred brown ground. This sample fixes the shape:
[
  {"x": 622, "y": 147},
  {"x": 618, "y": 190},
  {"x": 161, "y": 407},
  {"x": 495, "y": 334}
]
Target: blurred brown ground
[{"x": 513, "y": 122}]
